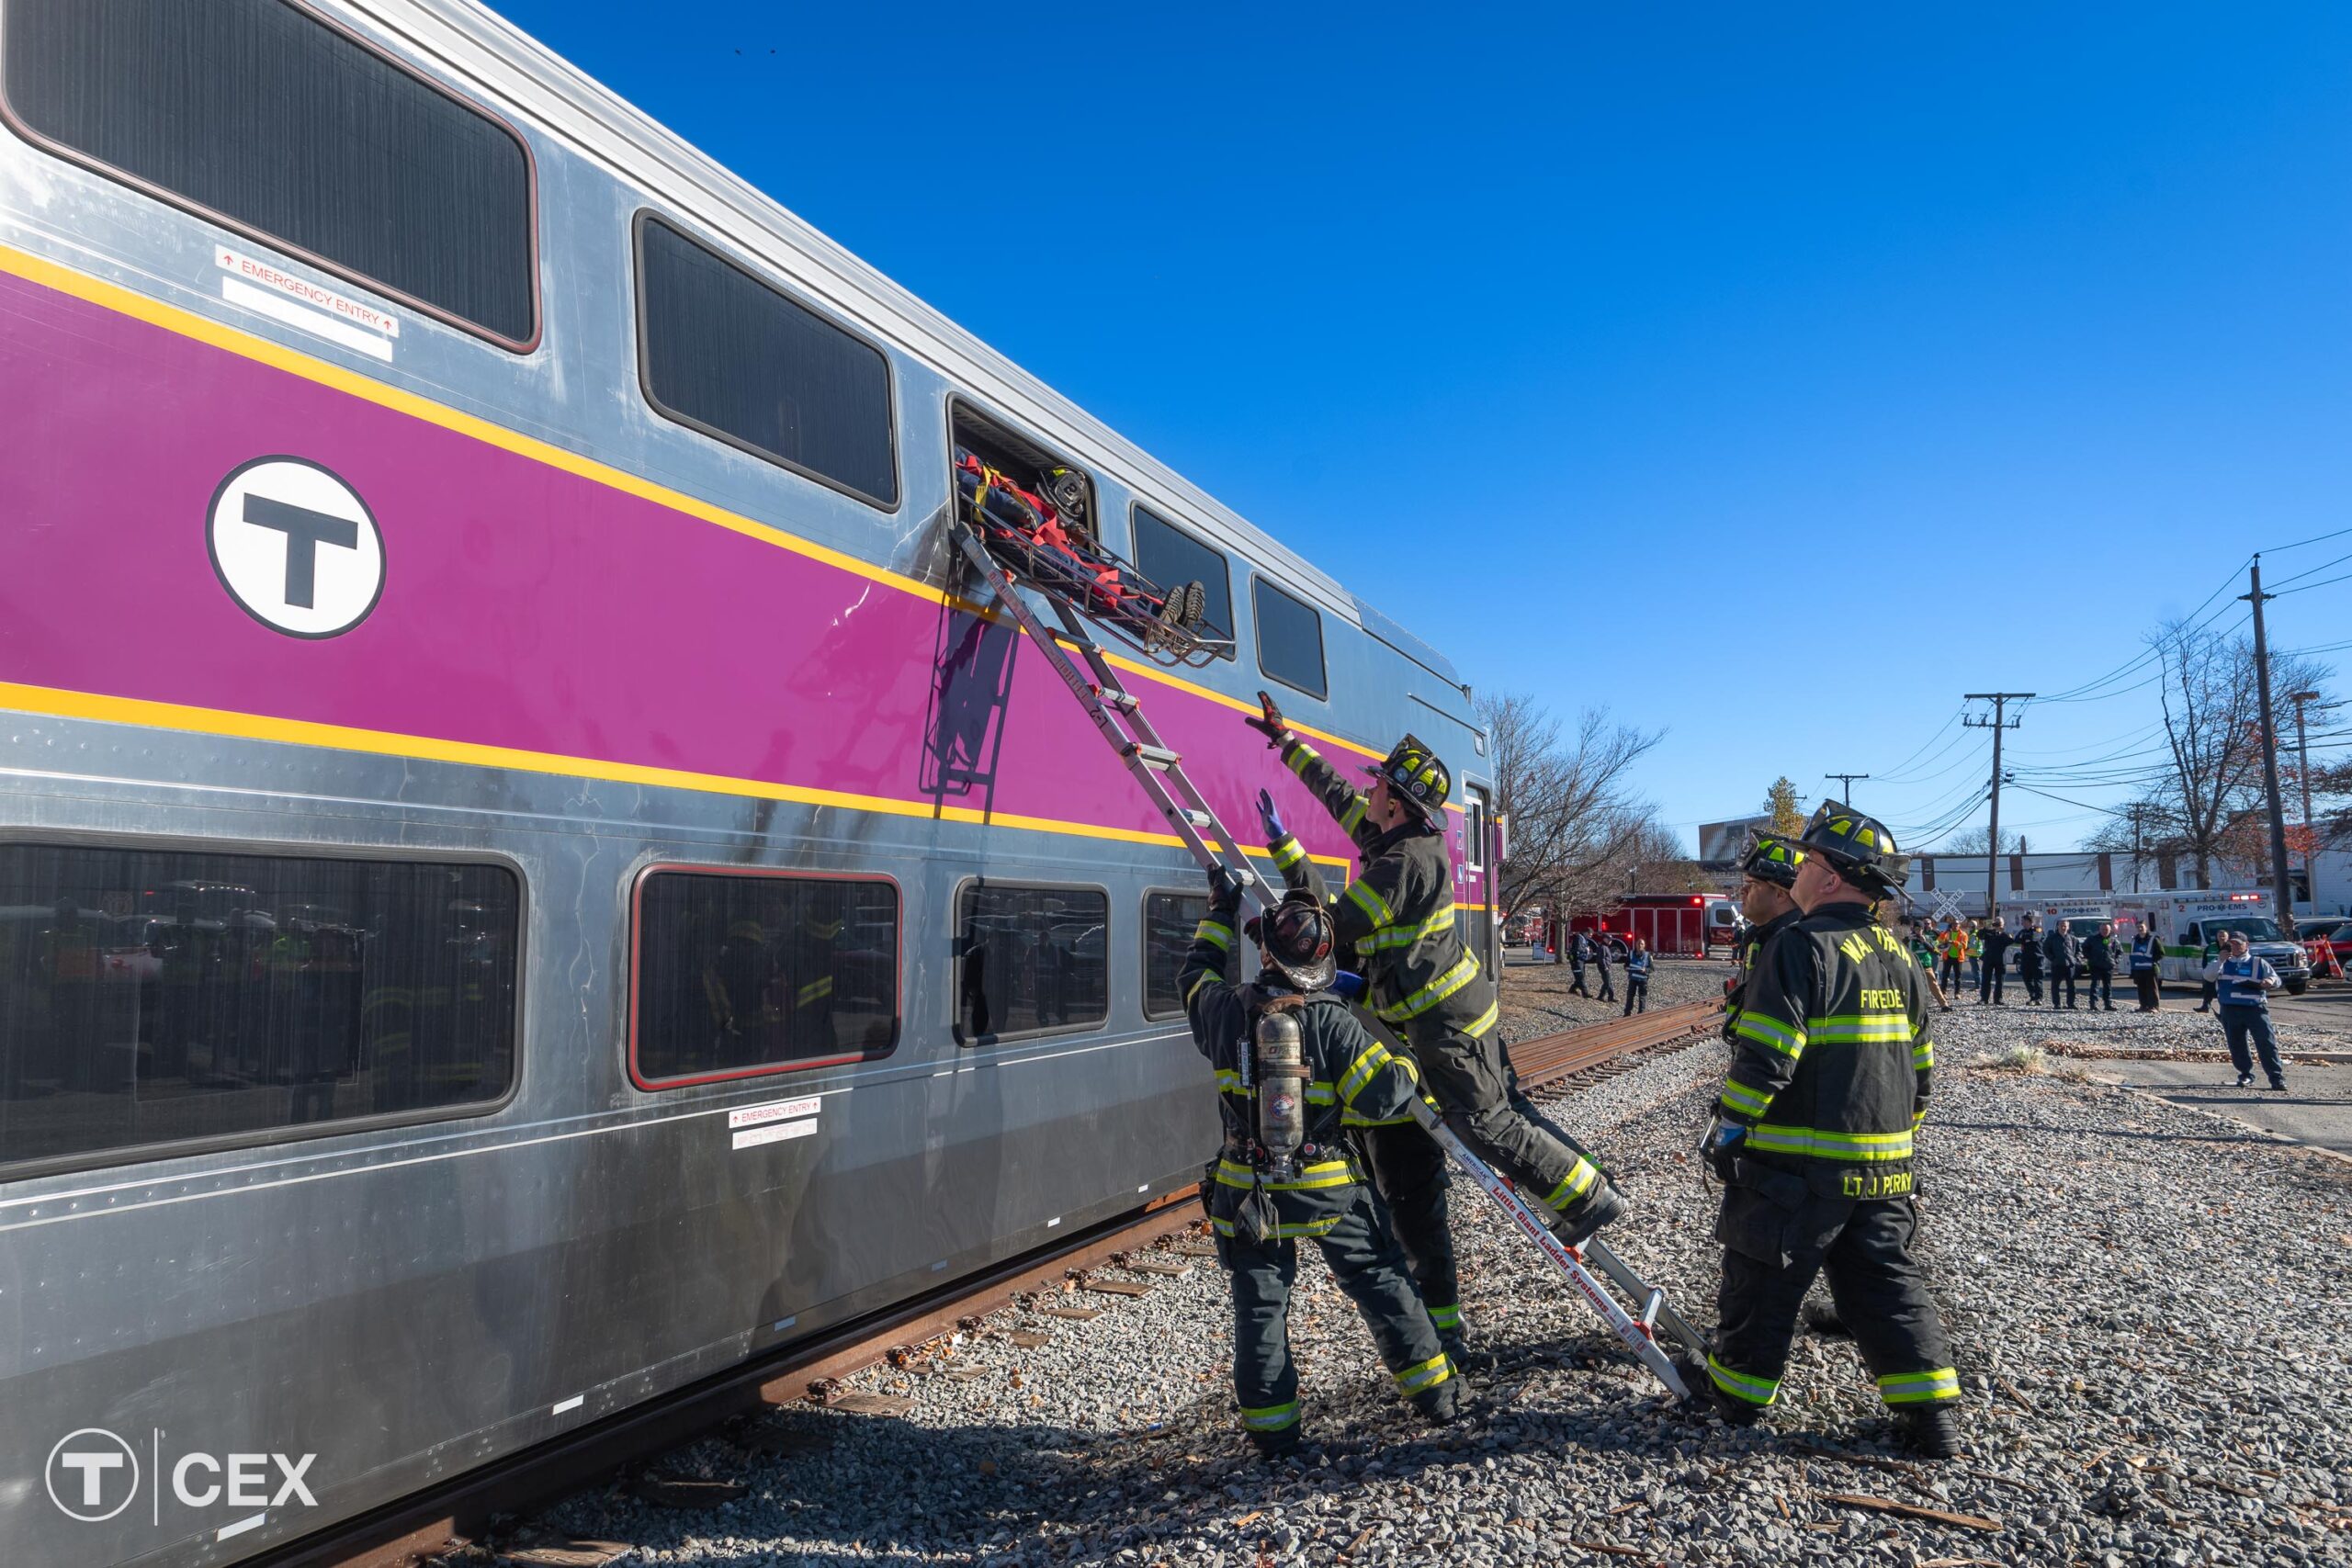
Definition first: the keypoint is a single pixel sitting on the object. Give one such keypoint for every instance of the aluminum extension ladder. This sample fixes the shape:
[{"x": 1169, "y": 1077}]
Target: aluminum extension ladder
[{"x": 1160, "y": 771}]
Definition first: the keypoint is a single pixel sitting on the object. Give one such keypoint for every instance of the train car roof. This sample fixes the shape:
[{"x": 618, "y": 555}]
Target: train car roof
[{"x": 471, "y": 42}]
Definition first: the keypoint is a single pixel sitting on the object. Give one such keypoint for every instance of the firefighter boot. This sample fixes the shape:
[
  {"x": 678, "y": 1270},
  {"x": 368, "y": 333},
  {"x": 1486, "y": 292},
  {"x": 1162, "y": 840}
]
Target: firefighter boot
[
  {"x": 1439, "y": 1405},
  {"x": 1707, "y": 1397},
  {"x": 1575, "y": 1224},
  {"x": 1930, "y": 1431},
  {"x": 1277, "y": 1445},
  {"x": 1465, "y": 1361}
]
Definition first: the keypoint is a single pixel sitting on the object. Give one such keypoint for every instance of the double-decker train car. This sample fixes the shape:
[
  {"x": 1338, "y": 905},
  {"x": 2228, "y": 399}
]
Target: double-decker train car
[{"x": 526, "y": 878}]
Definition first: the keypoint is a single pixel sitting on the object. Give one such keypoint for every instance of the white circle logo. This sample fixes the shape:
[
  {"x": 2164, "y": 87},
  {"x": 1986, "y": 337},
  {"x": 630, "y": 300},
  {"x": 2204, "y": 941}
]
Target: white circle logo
[
  {"x": 296, "y": 548},
  {"x": 85, "y": 1468}
]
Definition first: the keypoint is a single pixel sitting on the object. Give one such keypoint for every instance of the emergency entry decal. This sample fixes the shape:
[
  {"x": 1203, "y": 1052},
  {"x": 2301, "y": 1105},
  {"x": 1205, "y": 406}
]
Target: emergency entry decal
[{"x": 778, "y": 1121}]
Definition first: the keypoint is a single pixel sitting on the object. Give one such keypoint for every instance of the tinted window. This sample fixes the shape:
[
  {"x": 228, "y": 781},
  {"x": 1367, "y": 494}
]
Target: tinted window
[
  {"x": 285, "y": 127},
  {"x": 1169, "y": 556},
  {"x": 743, "y": 974},
  {"x": 1290, "y": 638},
  {"x": 729, "y": 355},
  {"x": 1169, "y": 920},
  {"x": 150, "y": 996},
  {"x": 1029, "y": 960}
]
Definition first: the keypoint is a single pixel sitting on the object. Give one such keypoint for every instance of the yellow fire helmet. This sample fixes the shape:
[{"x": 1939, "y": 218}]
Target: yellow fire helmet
[{"x": 1414, "y": 776}]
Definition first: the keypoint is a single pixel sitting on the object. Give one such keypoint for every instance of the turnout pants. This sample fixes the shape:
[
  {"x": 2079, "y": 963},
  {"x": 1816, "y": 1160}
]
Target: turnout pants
[
  {"x": 1637, "y": 995},
  {"x": 2238, "y": 1023},
  {"x": 1473, "y": 1083},
  {"x": 1773, "y": 1249},
  {"x": 2145, "y": 981},
  {"x": 1367, "y": 1266},
  {"x": 1408, "y": 1171}
]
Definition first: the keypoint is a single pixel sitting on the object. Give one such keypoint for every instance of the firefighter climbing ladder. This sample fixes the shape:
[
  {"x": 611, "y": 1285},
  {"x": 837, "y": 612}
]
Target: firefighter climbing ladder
[{"x": 1160, "y": 771}]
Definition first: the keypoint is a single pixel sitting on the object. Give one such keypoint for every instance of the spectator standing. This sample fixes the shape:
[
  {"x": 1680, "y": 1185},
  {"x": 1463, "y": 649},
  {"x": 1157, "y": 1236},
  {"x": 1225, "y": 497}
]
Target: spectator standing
[
  {"x": 1975, "y": 955},
  {"x": 2030, "y": 959},
  {"x": 2059, "y": 948},
  {"x": 1579, "y": 948},
  {"x": 1637, "y": 977},
  {"x": 1951, "y": 946},
  {"x": 2146, "y": 952},
  {"x": 2243, "y": 985},
  {"x": 2099, "y": 962},
  {"x": 1600, "y": 942},
  {"x": 1996, "y": 941},
  {"x": 2214, "y": 942}
]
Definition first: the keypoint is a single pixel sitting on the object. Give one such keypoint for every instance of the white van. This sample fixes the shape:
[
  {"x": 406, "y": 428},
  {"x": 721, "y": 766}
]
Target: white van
[{"x": 2186, "y": 918}]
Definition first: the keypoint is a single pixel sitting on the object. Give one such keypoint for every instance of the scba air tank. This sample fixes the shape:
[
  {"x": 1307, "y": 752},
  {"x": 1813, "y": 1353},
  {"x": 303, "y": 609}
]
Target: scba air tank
[{"x": 1282, "y": 1091}]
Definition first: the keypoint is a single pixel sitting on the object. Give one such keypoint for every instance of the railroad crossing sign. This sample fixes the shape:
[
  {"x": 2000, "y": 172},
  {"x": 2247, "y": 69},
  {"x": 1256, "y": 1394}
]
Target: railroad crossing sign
[
  {"x": 296, "y": 546},
  {"x": 1947, "y": 906}
]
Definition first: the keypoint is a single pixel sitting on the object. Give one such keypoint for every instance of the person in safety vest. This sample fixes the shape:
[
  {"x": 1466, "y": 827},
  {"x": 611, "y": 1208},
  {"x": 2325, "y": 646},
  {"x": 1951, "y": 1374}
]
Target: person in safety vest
[
  {"x": 1637, "y": 977},
  {"x": 1292, "y": 1062},
  {"x": 1767, "y": 872},
  {"x": 2243, "y": 985},
  {"x": 1952, "y": 947},
  {"x": 2147, "y": 953},
  {"x": 1814, "y": 1142},
  {"x": 1398, "y": 914}
]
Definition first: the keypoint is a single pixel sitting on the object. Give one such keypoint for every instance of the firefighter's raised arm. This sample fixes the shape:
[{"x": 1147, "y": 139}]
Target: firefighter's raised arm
[{"x": 1210, "y": 960}]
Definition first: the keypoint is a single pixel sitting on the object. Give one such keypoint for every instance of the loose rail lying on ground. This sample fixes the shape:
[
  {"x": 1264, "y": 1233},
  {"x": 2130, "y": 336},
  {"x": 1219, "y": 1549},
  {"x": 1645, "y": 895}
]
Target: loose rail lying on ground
[{"x": 426, "y": 1524}]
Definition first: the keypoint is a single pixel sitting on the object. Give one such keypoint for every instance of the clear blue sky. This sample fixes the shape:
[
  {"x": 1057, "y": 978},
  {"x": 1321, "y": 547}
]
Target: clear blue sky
[{"x": 1567, "y": 336}]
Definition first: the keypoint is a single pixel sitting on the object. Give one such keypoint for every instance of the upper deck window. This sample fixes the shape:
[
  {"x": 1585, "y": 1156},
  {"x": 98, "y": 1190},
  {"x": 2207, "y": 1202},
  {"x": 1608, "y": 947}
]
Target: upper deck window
[
  {"x": 725, "y": 353},
  {"x": 1169, "y": 556},
  {"x": 264, "y": 117},
  {"x": 1290, "y": 639}
]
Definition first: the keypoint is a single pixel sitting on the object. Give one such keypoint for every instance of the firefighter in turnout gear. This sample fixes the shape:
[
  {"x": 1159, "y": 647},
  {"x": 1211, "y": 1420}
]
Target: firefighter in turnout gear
[
  {"x": 1768, "y": 869},
  {"x": 1398, "y": 916},
  {"x": 1814, "y": 1142},
  {"x": 1292, "y": 1062}
]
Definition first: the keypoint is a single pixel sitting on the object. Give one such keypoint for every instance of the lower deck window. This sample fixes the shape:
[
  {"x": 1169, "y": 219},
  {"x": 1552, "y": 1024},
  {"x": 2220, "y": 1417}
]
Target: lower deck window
[
  {"x": 157, "y": 996},
  {"x": 1169, "y": 921},
  {"x": 740, "y": 973},
  {"x": 1030, "y": 960}
]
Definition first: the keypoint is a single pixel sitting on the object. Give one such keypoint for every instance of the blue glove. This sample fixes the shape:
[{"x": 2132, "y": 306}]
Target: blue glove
[
  {"x": 1350, "y": 987},
  {"x": 1271, "y": 819},
  {"x": 1723, "y": 1147}
]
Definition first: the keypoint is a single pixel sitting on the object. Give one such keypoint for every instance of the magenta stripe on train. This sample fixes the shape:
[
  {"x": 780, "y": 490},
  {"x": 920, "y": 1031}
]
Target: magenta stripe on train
[{"x": 523, "y": 606}]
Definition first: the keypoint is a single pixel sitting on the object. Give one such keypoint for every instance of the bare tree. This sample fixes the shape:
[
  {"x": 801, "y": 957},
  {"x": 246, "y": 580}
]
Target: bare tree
[
  {"x": 1568, "y": 797},
  {"x": 1973, "y": 840},
  {"x": 2204, "y": 802}
]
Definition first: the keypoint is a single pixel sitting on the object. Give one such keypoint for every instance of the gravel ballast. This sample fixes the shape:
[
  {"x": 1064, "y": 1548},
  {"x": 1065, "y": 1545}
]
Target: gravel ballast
[{"x": 2148, "y": 1305}]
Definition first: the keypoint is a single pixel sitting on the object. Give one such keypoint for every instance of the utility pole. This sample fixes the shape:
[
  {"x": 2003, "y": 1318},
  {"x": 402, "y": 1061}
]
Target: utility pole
[
  {"x": 2138, "y": 811},
  {"x": 2000, "y": 701},
  {"x": 2284, "y": 899},
  {"x": 1846, "y": 794},
  {"x": 2303, "y": 770}
]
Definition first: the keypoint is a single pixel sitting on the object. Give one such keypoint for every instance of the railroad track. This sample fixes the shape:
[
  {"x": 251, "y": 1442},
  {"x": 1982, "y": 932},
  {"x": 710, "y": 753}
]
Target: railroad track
[{"x": 441, "y": 1520}]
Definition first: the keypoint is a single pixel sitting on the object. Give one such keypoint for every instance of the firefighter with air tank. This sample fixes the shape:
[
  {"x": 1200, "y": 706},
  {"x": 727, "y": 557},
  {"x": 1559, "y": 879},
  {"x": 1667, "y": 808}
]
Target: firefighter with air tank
[
  {"x": 1398, "y": 917},
  {"x": 1814, "y": 1142},
  {"x": 1291, "y": 1063}
]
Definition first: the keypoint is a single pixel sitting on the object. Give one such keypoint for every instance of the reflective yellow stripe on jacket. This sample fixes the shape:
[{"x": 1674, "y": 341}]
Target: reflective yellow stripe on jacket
[
  {"x": 1312, "y": 1177},
  {"x": 1463, "y": 971},
  {"x": 1406, "y": 936},
  {"x": 1815, "y": 1144}
]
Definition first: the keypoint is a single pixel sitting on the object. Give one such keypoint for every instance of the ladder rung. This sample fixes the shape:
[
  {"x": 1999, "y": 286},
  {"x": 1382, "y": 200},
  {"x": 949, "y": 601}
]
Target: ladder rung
[
  {"x": 1153, "y": 756},
  {"x": 1112, "y": 697},
  {"x": 1199, "y": 819}
]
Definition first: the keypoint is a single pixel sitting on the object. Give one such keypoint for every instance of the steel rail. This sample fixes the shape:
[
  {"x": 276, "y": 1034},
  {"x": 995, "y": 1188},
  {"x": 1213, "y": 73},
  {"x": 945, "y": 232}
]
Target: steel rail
[{"x": 426, "y": 1523}]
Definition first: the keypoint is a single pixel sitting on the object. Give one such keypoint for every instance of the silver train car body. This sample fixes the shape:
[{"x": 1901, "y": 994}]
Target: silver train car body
[{"x": 545, "y": 1231}]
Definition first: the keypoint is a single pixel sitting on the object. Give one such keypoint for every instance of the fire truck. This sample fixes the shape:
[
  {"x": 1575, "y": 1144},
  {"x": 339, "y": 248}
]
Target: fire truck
[{"x": 1685, "y": 925}]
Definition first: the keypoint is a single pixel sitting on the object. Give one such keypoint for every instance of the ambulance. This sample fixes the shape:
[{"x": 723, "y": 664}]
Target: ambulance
[{"x": 2187, "y": 917}]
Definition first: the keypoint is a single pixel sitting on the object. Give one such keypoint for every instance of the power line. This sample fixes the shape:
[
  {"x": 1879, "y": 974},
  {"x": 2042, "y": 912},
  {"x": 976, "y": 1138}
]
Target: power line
[{"x": 2299, "y": 543}]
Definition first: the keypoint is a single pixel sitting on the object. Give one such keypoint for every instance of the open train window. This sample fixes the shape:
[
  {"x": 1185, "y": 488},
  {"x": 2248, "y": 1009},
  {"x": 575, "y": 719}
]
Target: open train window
[
  {"x": 729, "y": 353},
  {"x": 153, "y": 996},
  {"x": 1034, "y": 468},
  {"x": 740, "y": 971},
  {"x": 1169, "y": 922},
  {"x": 1290, "y": 638},
  {"x": 1030, "y": 960},
  {"x": 1168, "y": 555},
  {"x": 265, "y": 118}
]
